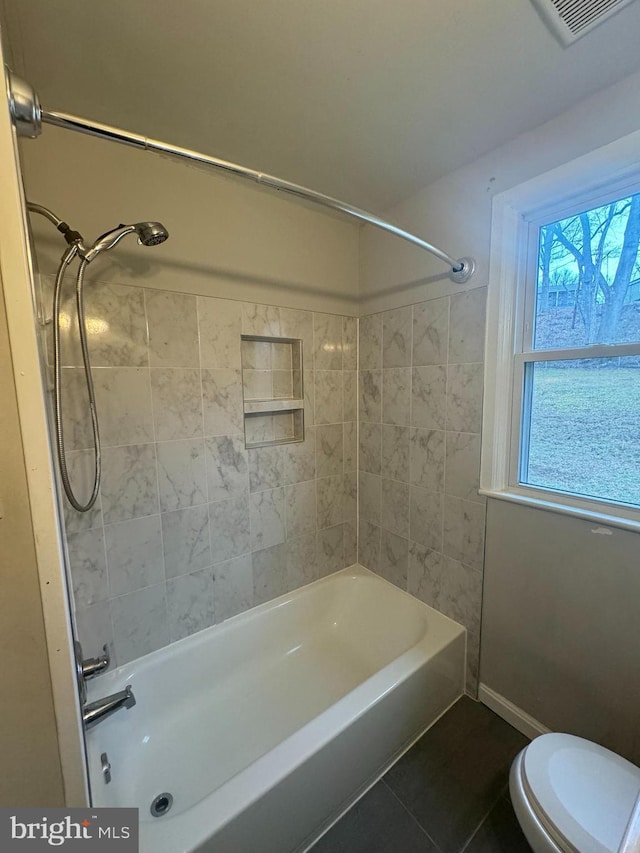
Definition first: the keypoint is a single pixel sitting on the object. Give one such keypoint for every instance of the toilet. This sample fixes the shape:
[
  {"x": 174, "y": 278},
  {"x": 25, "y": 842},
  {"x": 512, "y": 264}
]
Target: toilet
[{"x": 571, "y": 795}]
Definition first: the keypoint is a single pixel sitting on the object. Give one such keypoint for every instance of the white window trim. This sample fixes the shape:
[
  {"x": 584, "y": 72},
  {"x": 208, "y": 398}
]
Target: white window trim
[{"x": 611, "y": 170}]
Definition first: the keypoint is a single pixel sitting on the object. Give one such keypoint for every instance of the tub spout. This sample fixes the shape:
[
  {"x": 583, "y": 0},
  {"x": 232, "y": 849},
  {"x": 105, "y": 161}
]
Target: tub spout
[{"x": 96, "y": 711}]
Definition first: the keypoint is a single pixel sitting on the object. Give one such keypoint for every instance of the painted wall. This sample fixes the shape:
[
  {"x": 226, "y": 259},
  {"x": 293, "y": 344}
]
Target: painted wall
[
  {"x": 560, "y": 629},
  {"x": 31, "y": 773},
  {"x": 228, "y": 237},
  {"x": 455, "y": 214}
]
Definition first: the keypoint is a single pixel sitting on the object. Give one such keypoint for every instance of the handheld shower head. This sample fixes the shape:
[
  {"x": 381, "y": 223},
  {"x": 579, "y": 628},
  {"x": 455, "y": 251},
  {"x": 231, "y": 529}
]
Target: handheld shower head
[{"x": 149, "y": 234}]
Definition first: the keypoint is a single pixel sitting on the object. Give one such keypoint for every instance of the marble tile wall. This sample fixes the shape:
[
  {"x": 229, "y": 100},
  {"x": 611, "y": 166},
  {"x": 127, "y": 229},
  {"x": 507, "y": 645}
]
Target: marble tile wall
[
  {"x": 190, "y": 527},
  {"x": 421, "y": 520}
]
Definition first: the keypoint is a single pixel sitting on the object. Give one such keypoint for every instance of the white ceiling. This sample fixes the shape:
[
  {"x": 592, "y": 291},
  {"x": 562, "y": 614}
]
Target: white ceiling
[{"x": 363, "y": 99}]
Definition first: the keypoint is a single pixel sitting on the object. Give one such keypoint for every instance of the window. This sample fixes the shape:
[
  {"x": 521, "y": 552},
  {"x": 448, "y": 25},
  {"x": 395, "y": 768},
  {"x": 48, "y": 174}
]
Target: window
[
  {"x": 562, "y": 381},
  {"x": 580, "y": 360}
]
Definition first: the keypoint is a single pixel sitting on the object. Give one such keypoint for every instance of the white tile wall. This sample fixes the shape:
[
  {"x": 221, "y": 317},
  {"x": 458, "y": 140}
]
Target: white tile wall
[
  {"x": 190, "y": 527},
  {"x": 420, "y": 391}
]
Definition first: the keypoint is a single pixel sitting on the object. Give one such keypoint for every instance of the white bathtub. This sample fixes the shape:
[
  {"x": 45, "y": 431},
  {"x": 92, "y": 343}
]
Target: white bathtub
[{"x": 267, "y": 727}]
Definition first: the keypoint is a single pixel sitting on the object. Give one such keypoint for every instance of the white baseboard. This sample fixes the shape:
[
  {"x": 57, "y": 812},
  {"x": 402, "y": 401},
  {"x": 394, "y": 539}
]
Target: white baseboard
[{"x": 515, "y": 716}]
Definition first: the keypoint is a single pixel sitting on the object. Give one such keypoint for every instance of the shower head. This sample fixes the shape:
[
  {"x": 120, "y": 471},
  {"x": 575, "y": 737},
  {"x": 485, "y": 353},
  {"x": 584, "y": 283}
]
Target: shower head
[{"x": 149, "y": 234}]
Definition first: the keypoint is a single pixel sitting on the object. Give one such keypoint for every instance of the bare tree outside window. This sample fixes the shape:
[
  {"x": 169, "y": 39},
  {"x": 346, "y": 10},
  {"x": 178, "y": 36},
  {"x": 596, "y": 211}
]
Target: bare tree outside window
[
  {"x": 589, "y": 278},
  {"x": 581, "y": 423}
]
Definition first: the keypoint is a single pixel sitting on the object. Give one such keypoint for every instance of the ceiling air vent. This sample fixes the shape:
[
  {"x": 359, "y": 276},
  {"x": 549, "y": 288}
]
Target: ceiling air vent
[{"x": 569, "y": 20}]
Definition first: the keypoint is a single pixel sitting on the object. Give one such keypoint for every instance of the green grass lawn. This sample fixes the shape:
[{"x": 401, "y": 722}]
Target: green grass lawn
[{"x": 585, "y": 431}]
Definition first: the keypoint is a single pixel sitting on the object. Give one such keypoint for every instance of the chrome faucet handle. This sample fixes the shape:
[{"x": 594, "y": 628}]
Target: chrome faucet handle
[
  {"x": 94, "y": 666},
  {"x": 88, "y": 668}
]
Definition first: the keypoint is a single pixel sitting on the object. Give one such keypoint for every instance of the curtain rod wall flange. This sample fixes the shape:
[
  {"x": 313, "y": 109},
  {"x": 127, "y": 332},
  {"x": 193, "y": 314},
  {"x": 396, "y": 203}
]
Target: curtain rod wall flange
[{"x": 28, "y": 116}]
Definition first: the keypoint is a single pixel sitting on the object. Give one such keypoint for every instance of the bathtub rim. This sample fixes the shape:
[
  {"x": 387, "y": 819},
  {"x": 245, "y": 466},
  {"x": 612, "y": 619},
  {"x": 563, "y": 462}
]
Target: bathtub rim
[
  {"x": 249, "y": 785},
  {"x": 233, "y": 798},
  {"x": 120, "y": 674}
]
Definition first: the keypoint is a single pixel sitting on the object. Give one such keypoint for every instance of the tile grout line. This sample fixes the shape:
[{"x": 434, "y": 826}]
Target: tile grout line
[
  {"x": 205, "y": 450},
  {"x": 155, "y": 456},
  {"x": 446, "y": 424},
  {"x": 411, "y": 815},
  {"x": 381, "y": 361},
  {"x": 103, "y": 525},
  {"x": 357, "y": 450},
  {"x": 315, "y": 437},
  {"x": 484, "y": 818},
  {"x": 411, "y": 428}
]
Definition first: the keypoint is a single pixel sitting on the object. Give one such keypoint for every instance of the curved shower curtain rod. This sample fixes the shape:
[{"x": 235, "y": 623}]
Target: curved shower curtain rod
[{"x": 28, "y": 116}]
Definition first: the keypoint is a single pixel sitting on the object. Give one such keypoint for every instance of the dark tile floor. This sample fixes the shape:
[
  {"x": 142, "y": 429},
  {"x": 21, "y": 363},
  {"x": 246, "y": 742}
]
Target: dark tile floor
[{"x": 448, "y": 794}]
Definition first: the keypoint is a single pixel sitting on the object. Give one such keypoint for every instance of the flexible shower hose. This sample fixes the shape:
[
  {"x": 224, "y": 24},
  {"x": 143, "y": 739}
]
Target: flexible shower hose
[{"x": 68, "y": 256}]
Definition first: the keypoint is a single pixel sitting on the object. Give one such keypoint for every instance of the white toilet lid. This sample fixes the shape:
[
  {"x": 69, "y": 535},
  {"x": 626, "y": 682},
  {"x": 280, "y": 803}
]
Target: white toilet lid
[{"x": 582, "y": 793}]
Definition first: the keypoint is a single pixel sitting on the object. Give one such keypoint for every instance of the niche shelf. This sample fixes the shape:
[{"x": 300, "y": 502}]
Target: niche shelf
[{"x": 272, "y": 390}]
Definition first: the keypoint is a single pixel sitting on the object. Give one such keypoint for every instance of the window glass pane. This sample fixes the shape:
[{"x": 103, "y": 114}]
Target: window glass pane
[
  {"x": 588, "y": 284},
  {"x": 584, "y": 427}
]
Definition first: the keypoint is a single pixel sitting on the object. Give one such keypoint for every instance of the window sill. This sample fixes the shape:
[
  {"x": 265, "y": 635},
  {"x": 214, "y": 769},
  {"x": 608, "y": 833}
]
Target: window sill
[{"x": 629, "y": 519}]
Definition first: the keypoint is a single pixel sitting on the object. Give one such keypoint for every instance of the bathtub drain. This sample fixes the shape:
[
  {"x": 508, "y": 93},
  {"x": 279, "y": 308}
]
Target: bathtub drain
[{"x": 161, "y": 804}]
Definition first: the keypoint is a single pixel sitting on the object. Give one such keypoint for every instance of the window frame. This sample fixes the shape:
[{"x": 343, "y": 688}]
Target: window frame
[{"x": 597, "y": 178}]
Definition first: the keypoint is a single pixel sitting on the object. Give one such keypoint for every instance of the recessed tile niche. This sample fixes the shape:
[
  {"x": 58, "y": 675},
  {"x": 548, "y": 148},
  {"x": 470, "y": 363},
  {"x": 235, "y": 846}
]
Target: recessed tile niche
[{"x": 272, "y": 390}]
